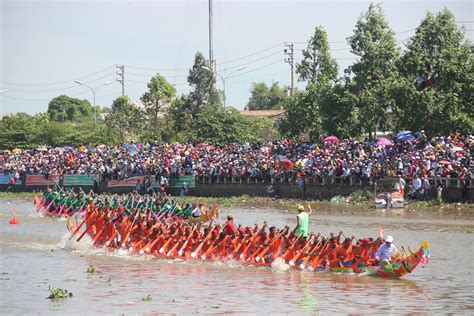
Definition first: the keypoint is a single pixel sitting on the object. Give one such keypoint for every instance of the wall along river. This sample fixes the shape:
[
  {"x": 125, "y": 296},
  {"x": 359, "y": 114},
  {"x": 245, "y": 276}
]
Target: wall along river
[{"x": 36, "y": 253}]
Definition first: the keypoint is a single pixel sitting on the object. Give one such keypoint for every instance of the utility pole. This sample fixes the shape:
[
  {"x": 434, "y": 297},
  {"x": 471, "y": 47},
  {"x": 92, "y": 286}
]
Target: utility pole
[
  {"x": 211, "y": 51},
  {"x": 121, "y": 78},
  {"x": 290, "y": 51}
]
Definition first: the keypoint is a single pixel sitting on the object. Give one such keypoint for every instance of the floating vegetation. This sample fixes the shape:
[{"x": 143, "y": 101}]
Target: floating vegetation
[
  {"x": 91, "y": 269},
  {"x": 147, "y": 298},
  {"x": 58, "y": 293}
]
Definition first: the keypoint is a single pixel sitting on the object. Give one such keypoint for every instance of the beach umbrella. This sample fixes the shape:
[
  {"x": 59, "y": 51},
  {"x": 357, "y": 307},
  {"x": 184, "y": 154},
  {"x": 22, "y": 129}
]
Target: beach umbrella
[
  {"x": 81, "y": 156},
  {"x": 406, "y": 137},
  {"x": 444, "y": 162},
  {"x": 287, "y": 164},
  {"x": 331, "y": 139},
  {"x": 384, "y": 141},
  {"x": 68, "y": 148},
  {"x": 403, "y": 133},
  {"x": 16, "y": 150},
  {"x": 202, "y": 145}
]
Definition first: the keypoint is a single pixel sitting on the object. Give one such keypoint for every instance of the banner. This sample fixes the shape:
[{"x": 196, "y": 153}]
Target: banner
[
  {"x": 130, "y": 182},
  {"x": 179, "y": 182},
  {"x": 41, "y": 180},
  {"x": 5, "y": 179},
  {"x": 78, "y": 179}
]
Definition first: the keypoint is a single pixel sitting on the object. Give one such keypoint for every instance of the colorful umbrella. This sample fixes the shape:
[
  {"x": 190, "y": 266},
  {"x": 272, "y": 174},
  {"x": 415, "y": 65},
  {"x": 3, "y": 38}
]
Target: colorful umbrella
[
  {"x": 384, "y": 141},
  {"x": 406, "y": 137},
  {"x": 287, "y": 164},
  {"x": 444, "y": 162},
  {"x": 331, "y": 139}
]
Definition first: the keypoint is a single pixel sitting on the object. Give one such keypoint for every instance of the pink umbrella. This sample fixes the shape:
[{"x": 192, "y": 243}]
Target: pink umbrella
[
  {"x": 444, "y": 162},
  {"x": 384, "y": 141},
  {"x": 331, "y": 139}
]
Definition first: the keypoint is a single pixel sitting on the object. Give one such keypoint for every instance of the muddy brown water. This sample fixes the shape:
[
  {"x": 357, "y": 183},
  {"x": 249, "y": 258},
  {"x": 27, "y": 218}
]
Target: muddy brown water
[{"x": 36, "y": 253}]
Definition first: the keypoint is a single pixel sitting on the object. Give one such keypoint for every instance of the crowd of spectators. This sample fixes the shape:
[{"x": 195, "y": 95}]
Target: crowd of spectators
[{"x": 406, "y": 155}]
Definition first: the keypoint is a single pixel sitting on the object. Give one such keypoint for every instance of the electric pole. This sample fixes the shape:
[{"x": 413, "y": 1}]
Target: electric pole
[
  {"x": 121, "y": 78},
  {"x": 290, "y": 51},
  {"x": 211, "y": 49}
]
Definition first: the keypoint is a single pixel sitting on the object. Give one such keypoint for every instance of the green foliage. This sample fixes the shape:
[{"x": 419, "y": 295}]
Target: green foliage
[
  {"x": 17, "y": 131},
  {"x": 441, "y": 60},
  {"x": 374, "y": 43},
  {"x": 266, "y": 98},
  {"x": 317, "y": 65},
  {"x": 302, "y": 115},
  {"x": 204, "y": 93},
  {"x": 64, "y": 108},
  {"x": 160, "y": 94},
  {"x": 305, "y": 109},
  {"x": 58, "y": 293},
  {"x": 338, "y": 112},
  {"x": 227, "y": 126},
  {"x": 125, "y": 120}
]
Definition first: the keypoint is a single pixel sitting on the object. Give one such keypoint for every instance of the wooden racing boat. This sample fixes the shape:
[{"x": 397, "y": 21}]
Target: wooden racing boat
[{"x": 176, "y": 238}]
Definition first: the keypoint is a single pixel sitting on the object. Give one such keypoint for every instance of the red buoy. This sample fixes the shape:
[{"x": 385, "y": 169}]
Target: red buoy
[{"x": 14, "y": 221}]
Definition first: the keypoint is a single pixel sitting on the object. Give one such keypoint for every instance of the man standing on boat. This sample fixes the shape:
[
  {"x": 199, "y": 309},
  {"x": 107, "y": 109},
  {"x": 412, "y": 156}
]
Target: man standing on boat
[
  {"x": 302, "y": 221},
  {"x": 385, "y": 251}
]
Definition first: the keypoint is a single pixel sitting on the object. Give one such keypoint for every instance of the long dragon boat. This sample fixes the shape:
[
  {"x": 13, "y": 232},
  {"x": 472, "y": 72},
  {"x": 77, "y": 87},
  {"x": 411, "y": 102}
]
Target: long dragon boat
[
  {"x": 175, "y": 238},
  {"x": 65, "y": 203}
]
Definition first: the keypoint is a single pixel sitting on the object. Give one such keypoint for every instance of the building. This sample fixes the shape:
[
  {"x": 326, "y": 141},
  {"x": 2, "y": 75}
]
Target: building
[{"x": 275, "y": 115}]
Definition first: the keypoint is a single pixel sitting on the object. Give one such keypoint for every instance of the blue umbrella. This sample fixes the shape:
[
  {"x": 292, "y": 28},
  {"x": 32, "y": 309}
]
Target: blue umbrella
[
  {"x": 403, "y": 133},
  {"x": 406, "y": 137}
]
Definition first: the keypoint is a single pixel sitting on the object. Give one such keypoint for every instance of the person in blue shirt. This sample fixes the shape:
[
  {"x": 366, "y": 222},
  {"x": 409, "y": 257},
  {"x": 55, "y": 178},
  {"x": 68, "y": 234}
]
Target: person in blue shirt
[{"x": 385, "y": 251}]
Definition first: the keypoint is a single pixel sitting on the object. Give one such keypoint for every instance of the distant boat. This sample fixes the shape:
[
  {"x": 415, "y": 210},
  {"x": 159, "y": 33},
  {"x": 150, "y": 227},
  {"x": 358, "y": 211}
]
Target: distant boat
[{"x": 388, "y": 194}]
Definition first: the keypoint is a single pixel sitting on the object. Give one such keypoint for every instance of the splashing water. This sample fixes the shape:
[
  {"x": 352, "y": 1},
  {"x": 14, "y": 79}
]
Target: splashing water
[{"x": 279, "y": 265}]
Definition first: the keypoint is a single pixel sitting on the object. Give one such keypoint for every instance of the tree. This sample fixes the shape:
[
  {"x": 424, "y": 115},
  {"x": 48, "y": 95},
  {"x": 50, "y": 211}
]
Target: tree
[
  {"x": 266, "y": 98},
  {"x": 319, "y": 69},
  {"x": 160, "y": 94},
  {"x": 17, "y": 131},
  {"x": 204, "y": 92},
  {"x": 338, "y": 111},
  {"x": 64, "y": 108},
  {"x": 124, "y": 120},
  {"x": 303, "y": 118},
  {"x": 435, "y": 91},
  {"x": 317, "y": 64},
  {"x": 370, "y": 77}
]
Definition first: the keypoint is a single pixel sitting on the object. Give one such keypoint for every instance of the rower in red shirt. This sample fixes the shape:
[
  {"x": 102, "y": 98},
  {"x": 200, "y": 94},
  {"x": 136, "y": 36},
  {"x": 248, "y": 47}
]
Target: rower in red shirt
[{"x": 230, "y": 229}]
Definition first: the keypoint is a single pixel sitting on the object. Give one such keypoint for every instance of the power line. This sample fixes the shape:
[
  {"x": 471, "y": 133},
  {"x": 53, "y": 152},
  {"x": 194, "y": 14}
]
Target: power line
[
  {"x": 250, "y": 71},
  {"x": 57, "y": 82},
  {"x": 60, "y": 89},
  {"x": 252, "y": 79},
  {"x": 144, "y": 82},
  {"x": 256, "y": 60},
  {"x": 250, "y": 55},
  {"x": 150, "y": 76},
  {"x": 157, "y": 69}
]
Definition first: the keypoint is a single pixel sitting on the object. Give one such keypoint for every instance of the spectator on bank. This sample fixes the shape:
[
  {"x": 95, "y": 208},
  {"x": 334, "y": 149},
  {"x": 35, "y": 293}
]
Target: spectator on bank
[{"x": 184, "y": 189}]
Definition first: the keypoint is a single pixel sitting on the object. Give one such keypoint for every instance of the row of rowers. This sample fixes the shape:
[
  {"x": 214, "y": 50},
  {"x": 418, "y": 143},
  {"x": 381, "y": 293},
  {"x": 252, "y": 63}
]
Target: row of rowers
[
  {"x": 339, "y": 252},
  {"x": 177, "y": 238}
]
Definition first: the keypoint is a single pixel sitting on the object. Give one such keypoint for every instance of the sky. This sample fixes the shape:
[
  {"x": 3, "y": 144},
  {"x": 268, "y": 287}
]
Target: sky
[{"x": 46, "y": 45}]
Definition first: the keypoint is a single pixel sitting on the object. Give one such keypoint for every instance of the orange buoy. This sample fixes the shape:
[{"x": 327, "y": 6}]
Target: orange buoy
[{"x": 14, "y": 221}]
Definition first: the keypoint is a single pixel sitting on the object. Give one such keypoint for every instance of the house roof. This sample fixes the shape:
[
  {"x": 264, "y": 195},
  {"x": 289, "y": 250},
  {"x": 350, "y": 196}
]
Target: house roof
[{"x": 267, "y": 113}]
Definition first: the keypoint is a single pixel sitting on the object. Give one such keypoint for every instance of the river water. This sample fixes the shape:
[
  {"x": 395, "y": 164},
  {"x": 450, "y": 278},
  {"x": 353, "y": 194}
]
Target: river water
[{"x": 36, "y": 253}]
